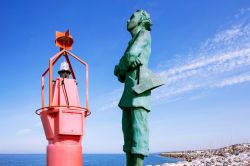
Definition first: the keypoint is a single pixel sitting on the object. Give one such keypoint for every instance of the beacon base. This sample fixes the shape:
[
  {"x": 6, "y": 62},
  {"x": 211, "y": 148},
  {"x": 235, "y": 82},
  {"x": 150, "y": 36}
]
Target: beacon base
[{"x": 64, "y": 155}]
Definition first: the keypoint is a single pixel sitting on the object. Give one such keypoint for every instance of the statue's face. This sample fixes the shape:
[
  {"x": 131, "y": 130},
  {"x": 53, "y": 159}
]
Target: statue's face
[{"x": 133, "y": 21}]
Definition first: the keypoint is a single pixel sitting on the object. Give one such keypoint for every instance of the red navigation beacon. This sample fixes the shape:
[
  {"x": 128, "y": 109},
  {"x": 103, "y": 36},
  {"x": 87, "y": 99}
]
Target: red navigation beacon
[{"x": 64, "y": 118}]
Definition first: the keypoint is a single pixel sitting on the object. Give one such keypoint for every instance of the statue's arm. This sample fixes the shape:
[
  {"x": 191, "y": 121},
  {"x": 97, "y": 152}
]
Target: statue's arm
[
  {"x": 122, "y": 67},
  {"x": 119, "y": 73},
  {"x": 132, "y": 57},
  {"x": 134, "y": 53}
]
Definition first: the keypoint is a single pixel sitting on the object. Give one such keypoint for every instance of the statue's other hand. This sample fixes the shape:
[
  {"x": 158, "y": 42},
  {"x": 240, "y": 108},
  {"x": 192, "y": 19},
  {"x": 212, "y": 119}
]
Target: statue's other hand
[
  {"x": 116, "y": 70},
  {"x": 121, "y": 79},
  {"x": 121, "y": 76},
  {"x": 120, "y": 73}
]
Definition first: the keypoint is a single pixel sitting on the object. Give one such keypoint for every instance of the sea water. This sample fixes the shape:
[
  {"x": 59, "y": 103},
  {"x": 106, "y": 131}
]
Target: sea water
[{"x": 89, "y": 160}]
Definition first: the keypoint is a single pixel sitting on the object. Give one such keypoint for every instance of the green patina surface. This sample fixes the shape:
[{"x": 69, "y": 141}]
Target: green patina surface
[
  {"x": 136, "y": 54},
  {"x": 135, "y": 102}
]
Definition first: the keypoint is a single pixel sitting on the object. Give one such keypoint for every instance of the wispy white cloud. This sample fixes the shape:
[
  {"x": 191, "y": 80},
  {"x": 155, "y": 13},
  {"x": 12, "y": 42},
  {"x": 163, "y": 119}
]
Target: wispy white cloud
[
  {"x": 233, "y": 80},
  {"x": 207, "y": 65},
  {"x": 220, "y": 61}
]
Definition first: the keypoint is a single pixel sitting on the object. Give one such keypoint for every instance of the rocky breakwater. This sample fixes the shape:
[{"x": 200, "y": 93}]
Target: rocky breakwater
[{"x": 235, "y": 155}]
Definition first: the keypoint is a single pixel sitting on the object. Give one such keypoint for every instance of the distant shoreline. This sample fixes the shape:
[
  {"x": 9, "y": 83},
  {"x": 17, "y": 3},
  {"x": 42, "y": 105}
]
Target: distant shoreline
[{"x": 238, "y": 154}]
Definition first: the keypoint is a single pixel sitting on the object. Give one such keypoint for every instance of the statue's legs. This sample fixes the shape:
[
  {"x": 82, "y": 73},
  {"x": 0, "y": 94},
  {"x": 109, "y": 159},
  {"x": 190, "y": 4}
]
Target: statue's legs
[
  {"x": 135, "y": 131},
  {"x": 139, "y": 117},
  {"x": 126, "y": 128},
  {"x": 127, "y": 135},
  {"x": 138, "y": 160},
  {"x": 130, "y": 159}
]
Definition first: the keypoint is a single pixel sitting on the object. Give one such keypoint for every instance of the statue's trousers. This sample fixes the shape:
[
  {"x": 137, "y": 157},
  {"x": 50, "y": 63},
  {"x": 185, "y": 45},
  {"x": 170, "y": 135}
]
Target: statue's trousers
[{"x": 135, "y": 130}]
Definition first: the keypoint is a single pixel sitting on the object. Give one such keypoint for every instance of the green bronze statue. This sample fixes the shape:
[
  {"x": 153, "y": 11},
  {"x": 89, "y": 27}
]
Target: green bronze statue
[{"x": 135, "y": 102}]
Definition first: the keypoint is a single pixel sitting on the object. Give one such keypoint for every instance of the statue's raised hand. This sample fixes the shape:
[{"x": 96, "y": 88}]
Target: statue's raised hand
[{"x": 135, "y": 62}]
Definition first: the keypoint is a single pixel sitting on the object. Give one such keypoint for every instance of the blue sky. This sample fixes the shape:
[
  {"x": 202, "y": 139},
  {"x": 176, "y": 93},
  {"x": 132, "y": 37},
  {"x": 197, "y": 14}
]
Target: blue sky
[{"x": 202, "y": 48}]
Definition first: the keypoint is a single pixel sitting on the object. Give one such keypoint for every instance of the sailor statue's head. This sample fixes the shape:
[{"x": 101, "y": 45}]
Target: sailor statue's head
[{"x": 139, "y": 19}]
